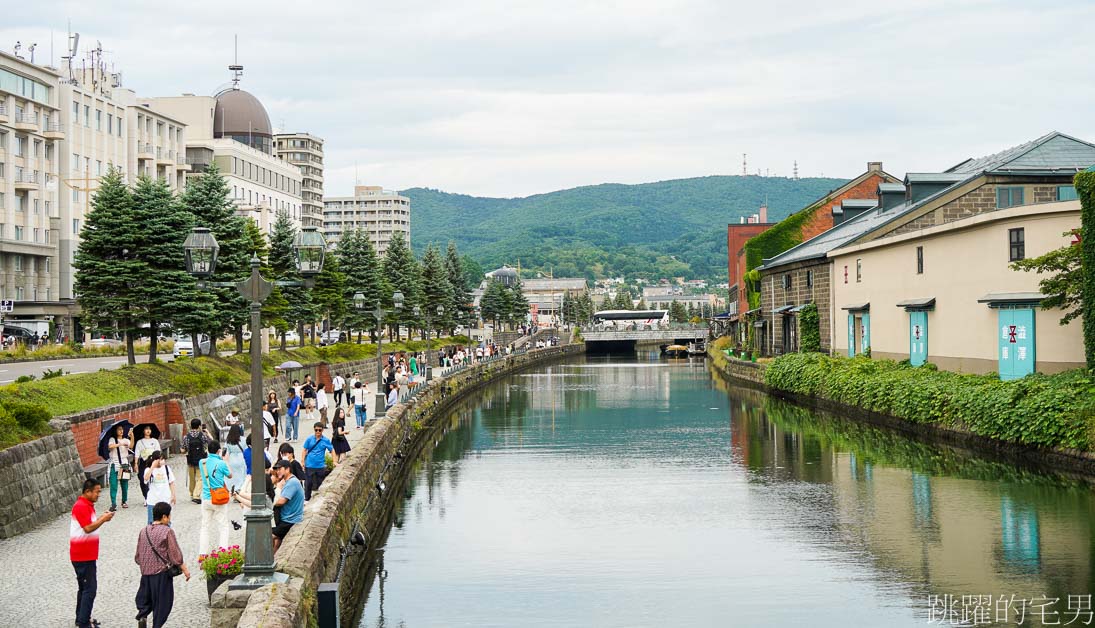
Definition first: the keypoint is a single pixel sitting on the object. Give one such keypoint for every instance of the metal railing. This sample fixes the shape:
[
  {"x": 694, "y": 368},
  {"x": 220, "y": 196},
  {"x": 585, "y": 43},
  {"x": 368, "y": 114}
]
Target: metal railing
[
  {"x": 3, "y": 109},
  {"x": 27, "y": 177},
  {"x": 26, "y": 118},
  {"x": 53, "y": 127},
  {"x": 145, "y": 148}
]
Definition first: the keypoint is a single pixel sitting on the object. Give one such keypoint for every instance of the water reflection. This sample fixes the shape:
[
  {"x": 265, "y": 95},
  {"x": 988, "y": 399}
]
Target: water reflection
[{"x": 643, "y": 493}]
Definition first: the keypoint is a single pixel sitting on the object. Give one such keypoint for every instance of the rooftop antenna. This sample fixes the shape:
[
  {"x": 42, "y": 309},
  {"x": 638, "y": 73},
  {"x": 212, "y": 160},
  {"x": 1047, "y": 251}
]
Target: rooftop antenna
[
  {"x": 744, "y": 166},
  {"x": 31, "y": 49},
  {"x": 18, "y": 45},
  {"x": 73, "y": 46},
  {"x": 236, "y": 69},
  {"x": 796, "y": 170}
]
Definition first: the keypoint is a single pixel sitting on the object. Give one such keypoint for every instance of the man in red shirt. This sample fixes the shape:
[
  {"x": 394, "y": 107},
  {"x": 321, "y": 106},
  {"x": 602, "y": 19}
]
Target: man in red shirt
[{"x": 83, "y": 549}]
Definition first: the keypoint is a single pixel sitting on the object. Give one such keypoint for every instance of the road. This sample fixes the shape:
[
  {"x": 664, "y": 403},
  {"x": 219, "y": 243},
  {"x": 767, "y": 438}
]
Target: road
[{"x": 9, "y": 371}]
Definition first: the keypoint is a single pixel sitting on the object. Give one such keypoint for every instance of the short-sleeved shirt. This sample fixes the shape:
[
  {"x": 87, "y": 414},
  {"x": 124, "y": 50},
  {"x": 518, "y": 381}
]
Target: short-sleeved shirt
[
  {"x": 316, "y": 458},
  {"x": 214, "y": 470},
  {"x": 293, "y": 509},
  {"x": 292, "y": 405},
  {"x": 82, "y": 545}
]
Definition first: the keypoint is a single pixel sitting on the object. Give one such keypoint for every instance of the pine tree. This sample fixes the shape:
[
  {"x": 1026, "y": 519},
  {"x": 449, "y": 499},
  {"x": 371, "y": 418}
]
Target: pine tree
[
  {"x": 108, "y": 272},
  {"x": 208, "y": 199},
  {"x": 492, "y": 304},
  {"x": 283, "y": 265},
  {"x": 567, "y": 308},
  {"x": 402, "y": 274},
  {"x": 677, "y": 313},
  {"x": 361, "y": 269},
  {"x": 437, "y": 290},
  {"x": 167, "y": 291},
  {"x": 329, "y": 291},
  {"x": 642, "y": 305},
  {"x": 275, "y": 306},
  {"x": 461, "y": 292},
  {"x": 623, "y": 300},
  {"x": 517, "y": 305}
]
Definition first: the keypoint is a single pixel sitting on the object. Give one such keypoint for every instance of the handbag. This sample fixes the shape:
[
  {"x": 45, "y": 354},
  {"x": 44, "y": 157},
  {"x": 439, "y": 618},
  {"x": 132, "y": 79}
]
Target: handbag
[
  {"x": 218, "y": 496},
  {"x": 172, "y": 570},
  {"x": 123, "y": 466}
]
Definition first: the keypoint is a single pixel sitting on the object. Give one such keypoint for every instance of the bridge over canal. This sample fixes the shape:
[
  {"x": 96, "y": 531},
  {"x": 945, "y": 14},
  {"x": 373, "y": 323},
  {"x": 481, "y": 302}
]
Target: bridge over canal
[{"x": 606, "y": 338}]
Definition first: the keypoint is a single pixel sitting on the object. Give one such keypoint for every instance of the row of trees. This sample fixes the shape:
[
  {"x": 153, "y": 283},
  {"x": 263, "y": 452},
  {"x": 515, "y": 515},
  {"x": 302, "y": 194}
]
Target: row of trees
[
  {"x": 504, "y": 304},
  {"x": 131, "y": 276}
]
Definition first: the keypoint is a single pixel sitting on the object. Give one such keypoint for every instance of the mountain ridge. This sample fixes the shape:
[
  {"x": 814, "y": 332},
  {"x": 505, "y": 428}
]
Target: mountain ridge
[{"x": 674, "y": 227}]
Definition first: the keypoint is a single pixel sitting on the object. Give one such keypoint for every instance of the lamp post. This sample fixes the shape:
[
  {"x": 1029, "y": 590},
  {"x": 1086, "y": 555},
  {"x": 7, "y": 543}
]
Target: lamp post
[
  {"x": 201, "y": 250},
  {"x": 381, "y": 395}
]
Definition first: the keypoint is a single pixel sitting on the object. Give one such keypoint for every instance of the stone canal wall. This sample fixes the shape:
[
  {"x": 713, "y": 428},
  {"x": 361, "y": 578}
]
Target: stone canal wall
[
  {"x": 1054, "y": 460},
  {"x": 352, "y": 500},
  {"x": 38, "y": 480}
]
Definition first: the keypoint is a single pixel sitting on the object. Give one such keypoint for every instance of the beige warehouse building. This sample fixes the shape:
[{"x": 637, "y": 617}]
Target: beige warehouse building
[{"x": 948, "y": 294}]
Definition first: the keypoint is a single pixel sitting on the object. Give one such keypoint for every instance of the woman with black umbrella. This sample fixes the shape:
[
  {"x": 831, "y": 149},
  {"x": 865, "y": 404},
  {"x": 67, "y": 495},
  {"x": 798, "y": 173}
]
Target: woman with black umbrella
[{"x": 120, "y": 469}]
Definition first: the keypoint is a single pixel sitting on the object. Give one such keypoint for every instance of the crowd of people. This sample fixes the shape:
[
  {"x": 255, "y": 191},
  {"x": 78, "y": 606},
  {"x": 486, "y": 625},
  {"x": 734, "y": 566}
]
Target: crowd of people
[{"x": 219, "y": 474}]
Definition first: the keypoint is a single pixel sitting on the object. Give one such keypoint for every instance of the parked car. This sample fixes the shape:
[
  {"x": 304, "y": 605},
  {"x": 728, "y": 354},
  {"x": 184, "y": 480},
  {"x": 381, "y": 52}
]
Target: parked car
[
  {"x": 331, "y": 337},
  {"x": 291, "y": 337},
  {"x": 104, "y": 340},
  {"x": 184, "y": 347},
  {"x": 13, "y": 334}
]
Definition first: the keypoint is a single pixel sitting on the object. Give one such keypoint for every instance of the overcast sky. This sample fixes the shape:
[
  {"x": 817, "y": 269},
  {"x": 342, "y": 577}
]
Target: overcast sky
[{"x": 510, "y": 98}]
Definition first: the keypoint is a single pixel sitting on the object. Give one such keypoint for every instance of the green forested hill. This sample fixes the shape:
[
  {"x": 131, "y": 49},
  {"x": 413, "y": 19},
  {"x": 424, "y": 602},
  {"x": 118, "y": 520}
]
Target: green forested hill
[{"x": 668, "y": 228}]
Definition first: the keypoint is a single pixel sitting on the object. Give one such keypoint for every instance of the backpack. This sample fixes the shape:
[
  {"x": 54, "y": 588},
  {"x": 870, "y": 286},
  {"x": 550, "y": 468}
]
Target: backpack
[{"x": 195, "y": 448}]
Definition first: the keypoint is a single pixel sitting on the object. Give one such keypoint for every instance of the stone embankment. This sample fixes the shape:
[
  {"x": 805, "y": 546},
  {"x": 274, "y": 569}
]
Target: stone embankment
[
  {"x": 38, "y": 480},
  {"x": 359, "y": 495}
]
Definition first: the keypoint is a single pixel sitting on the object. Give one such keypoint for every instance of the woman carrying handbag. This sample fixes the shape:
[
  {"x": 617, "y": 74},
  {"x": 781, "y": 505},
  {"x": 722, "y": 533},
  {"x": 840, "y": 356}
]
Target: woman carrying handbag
[
  {"x": 160, "y": 560},
  {"x": 120, "y": 469}
]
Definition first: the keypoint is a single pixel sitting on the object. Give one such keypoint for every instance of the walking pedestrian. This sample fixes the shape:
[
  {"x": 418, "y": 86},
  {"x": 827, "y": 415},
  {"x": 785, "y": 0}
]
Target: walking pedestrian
[
  {"x": 161, "y": 482},
  {"x": 338, "y": 435},
  {"x": 142, "y": 452},
  {"x": 289, "y": 505},
  {"x": 214, "y": 473},
  {"x": 232, "y": 453},
  {"x": 352, "y": 384},
  {"x": 357, "y": 398},
  {"x": 321, "y": 403},
  {"x": 292, "y": 415},
  {"x": 120, "y": 469},
  {"x": 269, "y": 423},
  {"x": 160, "y": 559},
  {"x": 308, "y": 388},
  {"x": 274, "y": 407},
  {"x": 195, "y": 443},
  {"x": 338, "y": 384},
  {"x": 233, "y": 418},
  {"x": 393, "y": 396},
  {"x": 315, "y": 449},
  {"x": 83, "y": 549}
]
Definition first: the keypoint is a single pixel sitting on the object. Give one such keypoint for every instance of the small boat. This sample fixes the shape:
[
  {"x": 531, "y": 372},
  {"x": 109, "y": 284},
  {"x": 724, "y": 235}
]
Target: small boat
[
  {"x": 696, "y": 348},
  {"x": 676, "y": 351}
]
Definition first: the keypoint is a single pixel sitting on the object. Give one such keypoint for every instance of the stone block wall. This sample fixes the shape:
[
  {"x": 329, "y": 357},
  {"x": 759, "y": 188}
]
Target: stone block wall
[
  {"x": 38, "y": 481},
  {"x": 351, "y": 498},
  {"x": 773, "y": 295}
]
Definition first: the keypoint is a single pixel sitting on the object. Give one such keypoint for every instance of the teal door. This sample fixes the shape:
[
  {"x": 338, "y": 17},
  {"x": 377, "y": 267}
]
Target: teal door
[
  {"x": 918, "y": 338},
  {"x": 1016, "y": 342},
  {"x": 851, "y": 335},
  {"x": 866, "y": 322}
]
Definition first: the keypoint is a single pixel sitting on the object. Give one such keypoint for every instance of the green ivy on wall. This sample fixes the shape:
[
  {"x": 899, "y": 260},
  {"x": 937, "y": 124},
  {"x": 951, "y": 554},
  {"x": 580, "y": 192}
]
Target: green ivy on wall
[
  {"x": 809, "y": 324},
  {"x": 1085, "y": 188},
  {"x": 781, "y": 237}
]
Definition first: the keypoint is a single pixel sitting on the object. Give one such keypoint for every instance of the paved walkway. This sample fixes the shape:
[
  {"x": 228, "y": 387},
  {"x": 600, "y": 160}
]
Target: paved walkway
[{"x": 39, "y": 587}]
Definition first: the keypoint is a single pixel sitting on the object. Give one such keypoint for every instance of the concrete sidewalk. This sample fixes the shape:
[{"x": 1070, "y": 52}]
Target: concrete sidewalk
[{"x": 40, "y": 589}]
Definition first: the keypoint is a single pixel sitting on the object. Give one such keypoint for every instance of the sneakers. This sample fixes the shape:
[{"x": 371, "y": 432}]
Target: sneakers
[
  {"x": 196, "y": 501},
  {"x": 236, "y": 525}
]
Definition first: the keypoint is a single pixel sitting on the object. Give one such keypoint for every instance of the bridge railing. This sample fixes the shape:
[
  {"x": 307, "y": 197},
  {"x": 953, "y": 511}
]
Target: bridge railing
[{"x": 626, "y": 328}]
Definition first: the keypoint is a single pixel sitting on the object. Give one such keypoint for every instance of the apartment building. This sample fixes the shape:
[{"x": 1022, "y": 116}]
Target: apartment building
[
  {"x": 305, "y": 151},
  {"x": 30, "y": 137},
  {"x": 378, "y": 212}
]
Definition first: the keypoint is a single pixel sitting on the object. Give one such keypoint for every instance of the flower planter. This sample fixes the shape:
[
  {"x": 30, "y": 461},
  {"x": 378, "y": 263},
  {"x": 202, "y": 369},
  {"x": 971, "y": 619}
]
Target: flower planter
[{"x": 212, "y": 582}]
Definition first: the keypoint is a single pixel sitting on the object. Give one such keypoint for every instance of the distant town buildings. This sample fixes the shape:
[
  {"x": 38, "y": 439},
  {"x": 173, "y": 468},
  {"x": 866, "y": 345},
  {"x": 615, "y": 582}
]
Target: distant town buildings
[
  {"x": 379, "y": 213},
  {"x": 305, "y": 151}
]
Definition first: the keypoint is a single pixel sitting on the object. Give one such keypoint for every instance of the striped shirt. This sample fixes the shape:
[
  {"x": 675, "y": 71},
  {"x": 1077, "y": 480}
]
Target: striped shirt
[{"x": 82, "y": 546}]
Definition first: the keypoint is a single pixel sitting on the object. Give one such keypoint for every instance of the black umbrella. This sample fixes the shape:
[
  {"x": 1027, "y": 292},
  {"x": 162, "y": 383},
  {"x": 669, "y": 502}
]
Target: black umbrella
[
  {"x": 139, "y": 430},
  {"x": 108, "y": 432}
]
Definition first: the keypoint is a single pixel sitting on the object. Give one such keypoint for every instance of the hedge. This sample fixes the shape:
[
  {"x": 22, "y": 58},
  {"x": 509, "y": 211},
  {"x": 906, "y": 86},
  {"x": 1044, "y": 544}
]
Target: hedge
[{"x": 1041, "y": 410}]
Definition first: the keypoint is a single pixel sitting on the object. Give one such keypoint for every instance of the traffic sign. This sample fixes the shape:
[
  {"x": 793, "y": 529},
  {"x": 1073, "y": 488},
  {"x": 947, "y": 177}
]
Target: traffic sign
[{"x": 7, "y": 305}]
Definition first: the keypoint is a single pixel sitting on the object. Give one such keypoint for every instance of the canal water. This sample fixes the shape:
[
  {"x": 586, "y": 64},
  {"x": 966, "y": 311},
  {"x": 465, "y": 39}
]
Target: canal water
[{"x": 640, "y": 491}]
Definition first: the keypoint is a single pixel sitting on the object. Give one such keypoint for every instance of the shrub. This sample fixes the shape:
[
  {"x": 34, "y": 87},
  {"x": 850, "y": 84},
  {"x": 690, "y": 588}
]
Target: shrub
[
  {"x": 31, "y": 417},
  {"x": 22, "y": 379},
  {"x": 1042, "y": 410},
  {"x": 51, "y": 373},
  {"x": 810, "y": 328}
]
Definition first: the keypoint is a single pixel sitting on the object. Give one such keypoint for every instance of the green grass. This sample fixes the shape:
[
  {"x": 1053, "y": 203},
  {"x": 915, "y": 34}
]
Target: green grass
[{"x": 76, "y": 393}]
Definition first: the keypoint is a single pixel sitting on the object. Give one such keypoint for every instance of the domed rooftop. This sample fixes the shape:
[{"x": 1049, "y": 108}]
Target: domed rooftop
[{"x": 240, "y": 116}]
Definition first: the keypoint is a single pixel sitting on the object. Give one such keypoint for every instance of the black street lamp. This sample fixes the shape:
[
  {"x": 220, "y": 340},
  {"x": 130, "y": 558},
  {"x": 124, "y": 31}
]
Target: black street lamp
[
  {"x": 201, "y": 250},
  {"x": 381, "y": 395}
]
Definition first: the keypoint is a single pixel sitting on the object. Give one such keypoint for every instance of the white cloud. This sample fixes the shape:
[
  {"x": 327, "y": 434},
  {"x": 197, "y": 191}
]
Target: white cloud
[{"x": 514, "y": 98}]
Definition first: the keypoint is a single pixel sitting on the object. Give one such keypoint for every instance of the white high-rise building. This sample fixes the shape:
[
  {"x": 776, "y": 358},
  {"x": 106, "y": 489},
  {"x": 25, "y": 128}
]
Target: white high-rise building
[{"x": 378, "y": 212}]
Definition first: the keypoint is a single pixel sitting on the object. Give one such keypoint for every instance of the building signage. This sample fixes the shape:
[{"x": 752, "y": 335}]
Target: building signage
[
  {"x": 918, "y": 338},
  {"x": 1016, "y": 342}
]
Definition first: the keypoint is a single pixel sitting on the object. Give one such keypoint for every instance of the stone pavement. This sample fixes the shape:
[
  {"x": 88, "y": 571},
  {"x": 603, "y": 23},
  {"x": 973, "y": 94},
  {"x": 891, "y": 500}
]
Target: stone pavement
[{"x": 40, "y": 586}]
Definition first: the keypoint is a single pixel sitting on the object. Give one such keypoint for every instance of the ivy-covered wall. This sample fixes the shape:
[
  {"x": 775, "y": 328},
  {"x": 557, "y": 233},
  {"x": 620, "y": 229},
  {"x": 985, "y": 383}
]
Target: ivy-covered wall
[{"x": 1085, "y": 187}]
